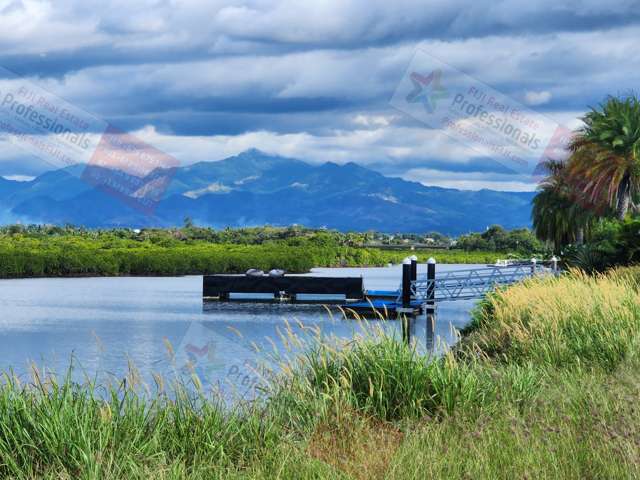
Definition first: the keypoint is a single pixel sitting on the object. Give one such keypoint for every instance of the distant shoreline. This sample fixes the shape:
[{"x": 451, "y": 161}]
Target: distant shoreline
[
  {"x": 478, "y": 258},
  {"x": 69, "y": 252}
]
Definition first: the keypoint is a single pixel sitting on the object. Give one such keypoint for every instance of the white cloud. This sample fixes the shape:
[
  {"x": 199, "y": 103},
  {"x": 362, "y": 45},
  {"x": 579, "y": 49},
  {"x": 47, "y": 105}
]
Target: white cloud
[
  {"x": 471, "y": 181},
  {"x": 36, "y": 26},
  {"x": 19, "y": 178},
  {"x": 537, "y": 98},
  {"x": 373, "y": 120}
]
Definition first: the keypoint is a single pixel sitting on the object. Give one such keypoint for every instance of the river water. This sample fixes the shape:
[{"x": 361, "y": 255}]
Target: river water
[{"x": 111, "y": 327}]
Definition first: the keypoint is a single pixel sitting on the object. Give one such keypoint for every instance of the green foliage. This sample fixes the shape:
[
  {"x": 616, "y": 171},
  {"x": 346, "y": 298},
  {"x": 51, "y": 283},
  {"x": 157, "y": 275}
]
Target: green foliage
[
  {"x": 606, "y": 152},
  {"x": 36, "y": 251},
  {"x": 520, "y": 241},
  {"x": 600, "y": 180},
  {"x": 612, "y": 242},
  {"x": 562, "y": 214}
]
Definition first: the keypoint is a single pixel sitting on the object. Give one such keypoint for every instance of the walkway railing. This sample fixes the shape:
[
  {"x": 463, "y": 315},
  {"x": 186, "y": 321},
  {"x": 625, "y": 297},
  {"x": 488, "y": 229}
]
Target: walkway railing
[
  {"x": 474, "y": 283},
  {"x": 425, "y": 291}
]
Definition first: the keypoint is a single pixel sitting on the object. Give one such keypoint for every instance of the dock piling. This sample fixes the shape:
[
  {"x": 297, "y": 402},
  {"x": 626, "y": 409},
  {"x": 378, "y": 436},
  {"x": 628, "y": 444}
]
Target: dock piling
[
  {"x": 414, "y": 268},
  {"x": 431, "y": 302},
  {"x": 406, "y": 284},
  {"x": 533, "y": 266},
  {"x": 431, "y": 281},
  {"x": 406, "y": 300}
]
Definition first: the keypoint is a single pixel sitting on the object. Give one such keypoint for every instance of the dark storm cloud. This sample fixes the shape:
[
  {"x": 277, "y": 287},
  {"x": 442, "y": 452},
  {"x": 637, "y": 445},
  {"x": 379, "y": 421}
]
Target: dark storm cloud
[
  {"x": 164, "y": 33},
  {"x": 315, "y": 74},
  {"x": 201, "y": 123}
]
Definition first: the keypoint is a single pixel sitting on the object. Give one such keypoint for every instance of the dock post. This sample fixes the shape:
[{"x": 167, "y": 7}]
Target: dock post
[
  {"x": 554, "y": 265},
  {"x": 406, "y": 301},
  {"x": 414, "y": 267},
  {"x": 533, "y": 267},
  {"x": 406, "y": 285},
  {"x": 431, "y": 302},
  {"x": 431, "y": 279}
]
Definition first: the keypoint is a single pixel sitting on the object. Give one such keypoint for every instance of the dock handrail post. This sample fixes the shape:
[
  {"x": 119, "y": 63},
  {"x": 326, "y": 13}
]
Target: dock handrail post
[
  {"x": 431, "y": 303},
  {"x": 414, "y": 267},
  {"x": 406, "y": 301},
  {"x": 431, "y": 281},
  {"x": 533, "y": 266},
  {"x": 554, "y": 264},
  {"x": 406, "y": 285}
]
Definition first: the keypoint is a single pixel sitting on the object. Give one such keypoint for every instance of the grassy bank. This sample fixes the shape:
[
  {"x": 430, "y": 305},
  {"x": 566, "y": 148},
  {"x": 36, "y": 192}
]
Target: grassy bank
[
  {"x": 111, "y": 256},
  {"x": 543, "y": 385}
]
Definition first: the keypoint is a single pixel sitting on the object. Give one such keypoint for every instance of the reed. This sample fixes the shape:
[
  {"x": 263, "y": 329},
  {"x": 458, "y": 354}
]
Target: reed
[{"x": 573, "y": 320}]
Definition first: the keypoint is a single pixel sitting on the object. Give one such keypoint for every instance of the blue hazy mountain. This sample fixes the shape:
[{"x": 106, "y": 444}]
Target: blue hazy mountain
[{"x": 254, "y": 188}]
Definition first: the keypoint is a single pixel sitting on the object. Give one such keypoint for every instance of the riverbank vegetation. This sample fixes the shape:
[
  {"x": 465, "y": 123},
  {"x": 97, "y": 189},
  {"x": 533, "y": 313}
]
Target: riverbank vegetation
[
  {"x": 543, "y": 385},
  {"x": 587, "y": 206},
  {"x": 38, "y": 251}
]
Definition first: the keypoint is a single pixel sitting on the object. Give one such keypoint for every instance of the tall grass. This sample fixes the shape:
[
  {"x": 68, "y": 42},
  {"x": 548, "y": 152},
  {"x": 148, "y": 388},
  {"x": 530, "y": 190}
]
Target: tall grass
[
  {"x": 390, "y": 381},
  {"x": 589, "y": 321},
  {"x": 544, "y": 385},
  {"x": 48, "y": 427}
]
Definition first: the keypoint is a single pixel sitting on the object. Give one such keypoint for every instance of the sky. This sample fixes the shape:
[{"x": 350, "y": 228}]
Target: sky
[{"x": 204, "y": 80}]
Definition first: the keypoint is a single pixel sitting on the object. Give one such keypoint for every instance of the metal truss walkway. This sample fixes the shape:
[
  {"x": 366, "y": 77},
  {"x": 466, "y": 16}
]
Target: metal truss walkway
[{"x": 474, "y": 283}]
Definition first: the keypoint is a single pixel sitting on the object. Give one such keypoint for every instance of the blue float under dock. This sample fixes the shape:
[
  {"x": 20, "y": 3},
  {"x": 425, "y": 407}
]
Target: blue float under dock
[
  {"x": 382, "y": 294},
  {"x": 379, "y": 306}
]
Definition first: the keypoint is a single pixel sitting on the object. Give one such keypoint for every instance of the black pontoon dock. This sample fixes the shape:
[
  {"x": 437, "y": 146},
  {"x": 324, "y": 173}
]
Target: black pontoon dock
[
  {"x": 347, "y": 292},
  {"x": 285, "y": 288}
]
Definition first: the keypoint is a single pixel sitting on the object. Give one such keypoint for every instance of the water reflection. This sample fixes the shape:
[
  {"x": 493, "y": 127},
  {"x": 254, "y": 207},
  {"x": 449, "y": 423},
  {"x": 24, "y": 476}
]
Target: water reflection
[{"x": 159, "y": 325}]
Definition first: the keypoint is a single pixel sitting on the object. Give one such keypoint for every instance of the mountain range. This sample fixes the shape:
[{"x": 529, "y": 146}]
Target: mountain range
[{"x": 254, "y": 188}]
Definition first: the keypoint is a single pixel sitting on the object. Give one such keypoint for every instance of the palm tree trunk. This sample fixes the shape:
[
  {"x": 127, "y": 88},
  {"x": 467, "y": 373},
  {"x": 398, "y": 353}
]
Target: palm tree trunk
[
  {"x": 624, "y": 198},
  {"x": 580, "y": 236}
]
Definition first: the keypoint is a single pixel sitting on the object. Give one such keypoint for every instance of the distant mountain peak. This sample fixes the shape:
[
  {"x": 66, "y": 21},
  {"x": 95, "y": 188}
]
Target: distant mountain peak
[
  {"x": 259, "y": 159},
  {"x": 255, "y": 187},
  {"x": 253, "y": 152}
]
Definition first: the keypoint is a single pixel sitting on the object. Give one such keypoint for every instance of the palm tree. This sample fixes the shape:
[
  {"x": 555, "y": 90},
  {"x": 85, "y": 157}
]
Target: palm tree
[
  {"x": 560, "y": 213},
  {"x": 549, "y": 223},
  {"x": 605, "y": 153}
]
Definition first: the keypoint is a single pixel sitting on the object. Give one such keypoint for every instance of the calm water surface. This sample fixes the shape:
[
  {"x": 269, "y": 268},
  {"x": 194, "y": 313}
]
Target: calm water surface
[{"x": 110, "y": 325}]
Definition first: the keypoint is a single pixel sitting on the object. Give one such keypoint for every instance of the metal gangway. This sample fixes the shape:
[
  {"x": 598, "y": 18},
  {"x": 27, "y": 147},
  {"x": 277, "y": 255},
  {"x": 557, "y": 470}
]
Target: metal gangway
[{"x": 475, "y": 283}]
